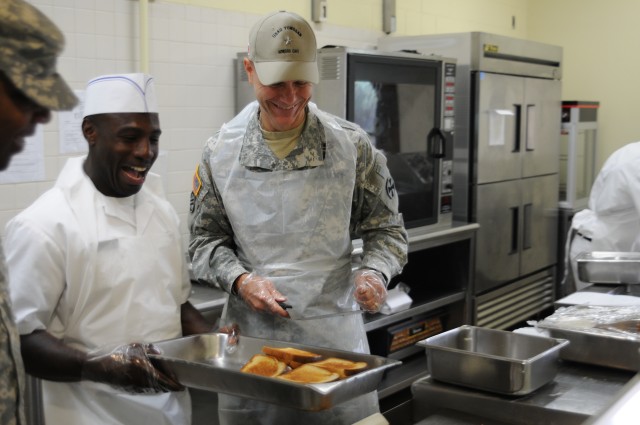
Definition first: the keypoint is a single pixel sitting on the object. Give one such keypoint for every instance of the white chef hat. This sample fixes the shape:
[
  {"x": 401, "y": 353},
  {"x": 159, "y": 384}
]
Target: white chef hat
[{"x": 120, "y": 93}]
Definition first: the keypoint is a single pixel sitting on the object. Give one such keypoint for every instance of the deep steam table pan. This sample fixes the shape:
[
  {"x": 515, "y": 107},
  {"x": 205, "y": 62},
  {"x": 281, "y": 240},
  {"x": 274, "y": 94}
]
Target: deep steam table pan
[
  {"x": 604, "y": 267},
  {"x": 493, "y": 360}
]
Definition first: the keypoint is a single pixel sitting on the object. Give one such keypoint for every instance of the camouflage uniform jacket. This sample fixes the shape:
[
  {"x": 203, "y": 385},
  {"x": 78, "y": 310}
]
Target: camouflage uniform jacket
[
  {"x": 374, "y": 213},
  {"x": 12, "y": 378}
]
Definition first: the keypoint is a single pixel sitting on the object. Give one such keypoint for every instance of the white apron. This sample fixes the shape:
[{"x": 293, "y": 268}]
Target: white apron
[
  {"x": 292, "y": 226},
  {"x": 127, "y": 295}
]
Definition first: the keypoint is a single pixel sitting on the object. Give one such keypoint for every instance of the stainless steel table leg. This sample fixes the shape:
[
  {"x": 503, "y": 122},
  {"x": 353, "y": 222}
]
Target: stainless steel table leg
[{"x": 33, "y": 402}]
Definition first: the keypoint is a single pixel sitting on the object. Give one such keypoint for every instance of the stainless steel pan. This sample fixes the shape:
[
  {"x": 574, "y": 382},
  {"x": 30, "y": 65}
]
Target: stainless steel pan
[{"x": 203, "y": 361}]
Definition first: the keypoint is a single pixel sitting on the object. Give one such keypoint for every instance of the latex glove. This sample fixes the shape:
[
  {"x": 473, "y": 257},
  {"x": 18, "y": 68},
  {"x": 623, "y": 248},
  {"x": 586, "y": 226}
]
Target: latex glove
[
  {"x": 260, "y": 294},
  {"x": 128, "y": 368},
  {"x": 371, "y": 291},
  {"x": 233, "y": 335}
]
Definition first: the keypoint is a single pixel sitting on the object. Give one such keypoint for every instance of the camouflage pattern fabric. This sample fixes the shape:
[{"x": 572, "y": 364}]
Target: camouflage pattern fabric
[
  {"x": 12, "y": 380},
  {"x": 374, "y": 209},
  {"x": 29, "y": 47}
]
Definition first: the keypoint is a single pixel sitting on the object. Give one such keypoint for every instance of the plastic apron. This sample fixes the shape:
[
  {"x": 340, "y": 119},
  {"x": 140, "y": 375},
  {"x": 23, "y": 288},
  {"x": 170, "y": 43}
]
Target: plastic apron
[
  {"x": 292, "y": 226},
  {"x": 145, "y": 309}
]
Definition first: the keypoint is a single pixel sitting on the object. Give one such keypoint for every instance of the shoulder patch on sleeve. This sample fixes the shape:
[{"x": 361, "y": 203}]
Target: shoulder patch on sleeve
[
  {"x": 380, "y": 182},
  {"x": 197, "y": 181},
  {"x": 390, "y": 188},
  {"x": 385, "y": 176}
]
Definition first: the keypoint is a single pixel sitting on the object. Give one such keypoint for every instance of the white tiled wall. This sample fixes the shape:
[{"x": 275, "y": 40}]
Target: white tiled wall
[{"x": 191, "y": 52}]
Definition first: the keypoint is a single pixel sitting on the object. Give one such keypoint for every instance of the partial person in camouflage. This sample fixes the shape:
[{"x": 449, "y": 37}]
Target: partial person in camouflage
[
  {"x": 279, "y": 195},
  {"x": 30, "y": 88}
]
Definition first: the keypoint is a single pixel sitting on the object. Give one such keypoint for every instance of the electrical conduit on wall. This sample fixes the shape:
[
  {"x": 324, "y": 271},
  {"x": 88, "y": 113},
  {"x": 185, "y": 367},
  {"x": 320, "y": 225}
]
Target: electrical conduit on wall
[{"x": 144, "y": 36}]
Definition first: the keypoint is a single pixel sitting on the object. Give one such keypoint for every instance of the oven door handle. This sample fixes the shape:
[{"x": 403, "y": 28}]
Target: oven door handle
[{"x": 436, "y": 143}]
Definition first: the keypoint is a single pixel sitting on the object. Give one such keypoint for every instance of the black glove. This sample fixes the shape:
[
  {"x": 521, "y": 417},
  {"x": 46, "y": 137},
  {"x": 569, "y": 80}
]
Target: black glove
[{"x": 128, "y": 368}]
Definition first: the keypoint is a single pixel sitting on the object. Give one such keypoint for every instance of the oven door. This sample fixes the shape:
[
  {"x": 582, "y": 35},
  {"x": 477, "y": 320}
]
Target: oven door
[{"x": 401, "y": 120}]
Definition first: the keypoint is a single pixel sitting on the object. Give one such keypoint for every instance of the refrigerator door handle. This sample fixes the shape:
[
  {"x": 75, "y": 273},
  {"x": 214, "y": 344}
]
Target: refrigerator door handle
[
  {"x": 526, "y": 227},
  {"x": 515, "y": 212},
  {"x": 518, "y": 135},
  {"x": 530, "y": 143}
]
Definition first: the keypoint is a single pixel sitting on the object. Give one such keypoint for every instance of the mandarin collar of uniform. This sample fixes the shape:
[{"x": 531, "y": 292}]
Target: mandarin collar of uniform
[
  {"x": 308, "y": 153},
  {"x": 81, "y": 193}
]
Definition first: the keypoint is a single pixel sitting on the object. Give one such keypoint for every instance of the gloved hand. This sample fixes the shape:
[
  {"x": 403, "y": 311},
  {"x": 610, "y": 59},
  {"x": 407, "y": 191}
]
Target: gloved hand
[
  {"x": 233, "y": 334},
  {"x": 371, "y": 291},
  {"x": 128, "y": 368},
  {"x": 260, "y": 294}
]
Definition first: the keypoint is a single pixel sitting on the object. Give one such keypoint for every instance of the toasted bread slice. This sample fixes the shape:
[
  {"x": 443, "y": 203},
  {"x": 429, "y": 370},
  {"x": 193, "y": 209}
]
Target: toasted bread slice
[
  {"x": 308, "y": 374},
  {"x": 295, "y": 364},
  {"x": 342, "y": 367},
  {"x": 290, "y": 354},
  {"x": 261, "y": 364}
]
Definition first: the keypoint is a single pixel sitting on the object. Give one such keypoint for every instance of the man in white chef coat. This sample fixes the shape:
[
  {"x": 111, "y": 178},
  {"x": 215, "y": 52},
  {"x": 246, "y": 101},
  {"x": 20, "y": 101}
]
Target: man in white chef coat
[
  {"x": 612, "y": 220},
  {"x": 98, "y": 271}
]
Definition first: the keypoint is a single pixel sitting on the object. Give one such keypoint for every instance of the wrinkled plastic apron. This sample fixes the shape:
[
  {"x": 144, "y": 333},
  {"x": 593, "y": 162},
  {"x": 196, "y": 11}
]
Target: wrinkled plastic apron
[
  {"x": 132, "y": 296},
  {"x": 293, "y": 227}
]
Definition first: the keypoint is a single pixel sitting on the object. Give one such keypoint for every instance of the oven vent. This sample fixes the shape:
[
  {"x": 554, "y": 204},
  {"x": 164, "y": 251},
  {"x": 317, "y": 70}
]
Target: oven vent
[
  {"x": 329, "y": 68},
  {"x": 516, "y": 302}
]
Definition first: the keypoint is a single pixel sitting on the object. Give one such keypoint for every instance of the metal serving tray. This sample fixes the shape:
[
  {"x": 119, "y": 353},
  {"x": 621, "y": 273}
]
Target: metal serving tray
[
  {"x": 207, "y": 362},
  {"x": 493, "y": 360},
  {"x": 599, "y": 335},
  {"x": 614, "y": 351},
  {"x": 605, "y": 267}
]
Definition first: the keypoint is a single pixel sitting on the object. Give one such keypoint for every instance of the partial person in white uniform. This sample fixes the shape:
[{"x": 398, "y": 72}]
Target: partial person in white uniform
[
  {"x": 612, "y": 220},
  {"x": 98, "y": 271}
]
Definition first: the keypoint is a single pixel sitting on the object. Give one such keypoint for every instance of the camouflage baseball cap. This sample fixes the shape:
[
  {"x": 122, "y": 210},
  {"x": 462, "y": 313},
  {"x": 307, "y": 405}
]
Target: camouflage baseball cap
[{"x": 29, "y": 47}]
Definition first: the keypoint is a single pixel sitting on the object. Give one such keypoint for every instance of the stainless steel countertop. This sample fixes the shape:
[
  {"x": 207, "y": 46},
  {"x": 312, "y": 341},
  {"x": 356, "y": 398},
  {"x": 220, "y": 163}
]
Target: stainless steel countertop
[
  {"x": 425, "y": 237},
  {"x": 624, "y": 409},
  {"x": 205, "y": 298},
  {"x": 577, "y": 393}
]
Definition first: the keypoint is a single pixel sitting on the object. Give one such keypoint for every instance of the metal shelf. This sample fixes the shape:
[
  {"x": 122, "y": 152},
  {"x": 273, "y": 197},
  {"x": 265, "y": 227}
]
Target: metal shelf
[
  {"x": 380, "y": 320},
  {"x": 405, "y": 352},
  {"x": 403, "y": 376}
]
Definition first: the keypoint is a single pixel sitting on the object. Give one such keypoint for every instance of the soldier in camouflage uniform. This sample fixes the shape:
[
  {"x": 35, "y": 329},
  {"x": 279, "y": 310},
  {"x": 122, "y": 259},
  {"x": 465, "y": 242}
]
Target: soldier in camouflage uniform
[
  {"x": 281, "y": 191},
  {"x": 29, "y": 88}
]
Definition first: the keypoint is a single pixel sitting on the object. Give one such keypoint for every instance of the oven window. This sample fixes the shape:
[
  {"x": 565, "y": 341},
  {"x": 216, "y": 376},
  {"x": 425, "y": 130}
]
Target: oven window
[{"x": 396, "y": 104}]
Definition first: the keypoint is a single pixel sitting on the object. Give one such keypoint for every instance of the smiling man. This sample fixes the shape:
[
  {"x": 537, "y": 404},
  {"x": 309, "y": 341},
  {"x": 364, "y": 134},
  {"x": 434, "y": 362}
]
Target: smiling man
[
  {"x": 277, "y": 198},
  {"x": 98, "y": 271}
]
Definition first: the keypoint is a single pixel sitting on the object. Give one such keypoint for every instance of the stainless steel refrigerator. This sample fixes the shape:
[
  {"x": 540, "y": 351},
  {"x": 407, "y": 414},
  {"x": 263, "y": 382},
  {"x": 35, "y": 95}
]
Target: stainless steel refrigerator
[{"x": 506, "y": 165}]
